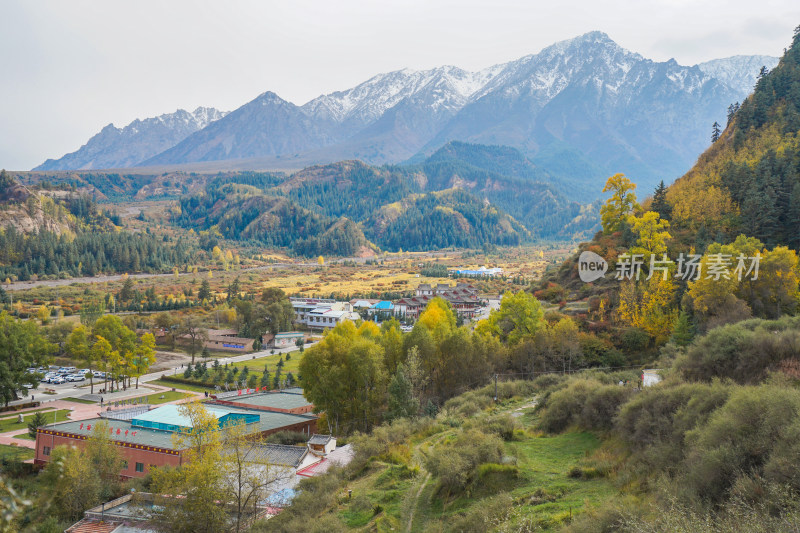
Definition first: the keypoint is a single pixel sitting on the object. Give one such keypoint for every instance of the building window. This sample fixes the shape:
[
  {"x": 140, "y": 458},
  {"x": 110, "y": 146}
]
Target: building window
[
  {"x": 46, "y": 450},
  {"x": 140, "y": 467},
  {"x": 124, "y": 465}
]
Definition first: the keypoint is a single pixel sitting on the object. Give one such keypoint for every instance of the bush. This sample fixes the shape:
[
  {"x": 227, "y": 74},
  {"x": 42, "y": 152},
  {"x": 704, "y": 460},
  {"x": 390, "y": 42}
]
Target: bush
[
  {"x": 502, "y": 425},
  {"x": 746, "y": 351},
  {"x": 563, "y": 407},
  {"x": 756, "y": 433},
  {"x": 485, "y": 516},
  {"x": 454, "y": 464}
]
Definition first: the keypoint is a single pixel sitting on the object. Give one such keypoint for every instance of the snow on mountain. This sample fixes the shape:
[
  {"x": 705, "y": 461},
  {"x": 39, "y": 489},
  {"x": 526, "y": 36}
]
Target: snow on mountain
[
  {"x": 739, "y": 72},
  {"x": 124, "y": 147},
  {"x": 366, "y": 102},
  {"x": 580, "y": 108}
]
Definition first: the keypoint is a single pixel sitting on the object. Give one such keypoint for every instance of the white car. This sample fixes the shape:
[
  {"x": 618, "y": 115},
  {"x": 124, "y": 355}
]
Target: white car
[
  {"x": 57, "y": 380},
  {"x": 75, "y": 377},
  {"x": 98, "y": 374}
]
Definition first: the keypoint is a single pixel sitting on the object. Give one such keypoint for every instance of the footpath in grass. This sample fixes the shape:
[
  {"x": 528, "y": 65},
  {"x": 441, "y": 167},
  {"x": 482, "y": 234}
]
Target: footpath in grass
[
  {"x": 50, "y": 417},
  {"x": 15, "y": 453}
]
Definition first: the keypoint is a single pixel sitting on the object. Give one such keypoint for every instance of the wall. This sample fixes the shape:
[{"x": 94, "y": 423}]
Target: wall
[{"x": 139, "y": 454}]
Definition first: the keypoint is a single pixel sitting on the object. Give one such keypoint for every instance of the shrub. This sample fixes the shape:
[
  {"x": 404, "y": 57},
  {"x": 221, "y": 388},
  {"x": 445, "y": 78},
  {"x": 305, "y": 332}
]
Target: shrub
[
  {"x": 564, "y": 406},
  {"x": 485, "y": 516},
  {"x": 745, "y": 351},
  {"x": 455, "y": 463},
  {"x": 754, "y": 434}
]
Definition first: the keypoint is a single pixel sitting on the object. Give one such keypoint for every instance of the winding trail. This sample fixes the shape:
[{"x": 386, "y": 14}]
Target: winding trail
[{"x": 422, "y": 486}]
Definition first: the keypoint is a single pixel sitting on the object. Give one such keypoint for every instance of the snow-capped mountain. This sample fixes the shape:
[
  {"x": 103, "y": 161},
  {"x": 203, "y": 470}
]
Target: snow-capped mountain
[
  {"x": 739, "y": 72},
  {"x": 581, "y": 109},
  {"x": 141, "y": 139}
]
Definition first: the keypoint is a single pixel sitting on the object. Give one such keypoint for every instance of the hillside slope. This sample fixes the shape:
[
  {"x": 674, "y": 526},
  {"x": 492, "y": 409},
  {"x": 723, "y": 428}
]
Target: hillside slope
[{"x": 749, "y": 180}]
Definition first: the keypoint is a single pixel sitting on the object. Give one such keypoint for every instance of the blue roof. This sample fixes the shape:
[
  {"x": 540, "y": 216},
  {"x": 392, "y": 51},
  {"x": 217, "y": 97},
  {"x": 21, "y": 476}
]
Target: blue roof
[
  {"x": 383, "y": 305},
  {"x": 169, "y": 418}
]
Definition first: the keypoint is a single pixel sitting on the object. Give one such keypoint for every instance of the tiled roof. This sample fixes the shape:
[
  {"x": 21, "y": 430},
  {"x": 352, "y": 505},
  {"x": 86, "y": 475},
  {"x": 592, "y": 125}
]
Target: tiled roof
[
  {"x": 338, "y": 457},
  {"x": 278, "y": 454},
  {"x": 92, "y": 526},
  {"x": 319, "y": 439}
]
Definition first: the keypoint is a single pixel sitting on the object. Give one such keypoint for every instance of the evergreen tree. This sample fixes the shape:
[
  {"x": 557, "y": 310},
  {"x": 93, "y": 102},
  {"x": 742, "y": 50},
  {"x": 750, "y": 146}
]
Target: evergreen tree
[
  {"x": 205, "y": 291},
  {"x": 715, "y": 132},
  {"x": 401, "y": 402},
  {"x": 683, "y": 333},
  {"x": 660, "y": 204}
]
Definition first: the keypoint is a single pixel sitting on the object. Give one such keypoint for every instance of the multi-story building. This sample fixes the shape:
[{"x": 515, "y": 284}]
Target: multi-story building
[
  {"x": 462, "y": 297},
  {"x": 317, "y": 313}
]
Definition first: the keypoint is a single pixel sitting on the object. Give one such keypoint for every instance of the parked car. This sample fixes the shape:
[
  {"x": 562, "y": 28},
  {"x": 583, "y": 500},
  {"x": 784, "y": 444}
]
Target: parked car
[
  {"x": 98, "y": 374},
  {"x": 57, "y": 380},
  {"x": 29, "y": 386},
  {"x": 46, "y": 377},
  {"x": 67, "y": 370},
  {"x": 75, "y": 377}
]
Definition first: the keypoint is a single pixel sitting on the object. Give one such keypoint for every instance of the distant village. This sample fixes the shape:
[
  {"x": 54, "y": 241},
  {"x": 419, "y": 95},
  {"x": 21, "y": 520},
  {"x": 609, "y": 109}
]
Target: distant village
[{"x": 144, "y": 433}]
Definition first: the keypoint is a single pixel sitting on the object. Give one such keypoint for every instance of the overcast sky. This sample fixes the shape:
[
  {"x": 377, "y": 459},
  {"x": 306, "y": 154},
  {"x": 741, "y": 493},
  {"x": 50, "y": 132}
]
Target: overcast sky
[{"x": 68, "y": 68}]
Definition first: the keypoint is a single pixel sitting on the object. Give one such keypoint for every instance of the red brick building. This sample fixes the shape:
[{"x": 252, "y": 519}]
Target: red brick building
[{"x": 146, "y": 439}]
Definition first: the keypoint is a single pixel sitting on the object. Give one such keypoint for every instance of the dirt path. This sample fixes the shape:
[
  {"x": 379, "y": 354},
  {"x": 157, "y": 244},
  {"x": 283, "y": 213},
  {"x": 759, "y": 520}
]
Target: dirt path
[{"x": 422, "y": 486}]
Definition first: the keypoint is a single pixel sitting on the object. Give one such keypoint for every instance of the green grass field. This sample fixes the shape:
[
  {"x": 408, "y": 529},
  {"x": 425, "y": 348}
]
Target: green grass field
[
  {"x": 181, "y": 386},
  {"x": 79, "y": 400},
  {"x": 12, "y": 414},
  {"x": 556, "y": 477},
  {"x": 168, "y": 396},
  {"x": 51, "y": 416},
  {"x": 16, "y": 453},
  {"x": 24, "y": 436}
]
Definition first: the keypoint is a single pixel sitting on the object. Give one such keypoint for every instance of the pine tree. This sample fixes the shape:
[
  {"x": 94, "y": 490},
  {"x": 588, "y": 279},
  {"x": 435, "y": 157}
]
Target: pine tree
[
  {"x": 683, "y": 333},
  {"x": 204, "y": 293},
  {"x": 660, "y": 204},
  {"x": 715, "y": 132}
]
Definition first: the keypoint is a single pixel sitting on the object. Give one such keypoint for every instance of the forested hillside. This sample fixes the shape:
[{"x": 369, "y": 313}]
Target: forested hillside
[
  {"x": 444, "y": 201},
  {"x": 61, "y": 232},
  {"x": 749, "y": 180}
]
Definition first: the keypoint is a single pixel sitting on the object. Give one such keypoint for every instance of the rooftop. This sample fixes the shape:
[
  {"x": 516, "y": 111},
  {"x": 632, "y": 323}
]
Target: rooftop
[
  {"x": 286, "y": 334},
  {"x": 319, "y": 439},
  {"x": 278, "y": 454},
  {"x": 122, "y": 431}
]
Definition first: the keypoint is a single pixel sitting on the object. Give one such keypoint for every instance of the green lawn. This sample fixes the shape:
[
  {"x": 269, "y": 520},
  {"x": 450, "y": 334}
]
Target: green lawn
[
  {"x": 78, "y": 400},
  {"x": 24, "y": 436},
  {"x": 12, "y": 414},
  {"x": 10, "y": 424},
  {"x": 16, "y": 453},
  {"x": 181, "y": 386},
  {"x": 168, "y": 396}
]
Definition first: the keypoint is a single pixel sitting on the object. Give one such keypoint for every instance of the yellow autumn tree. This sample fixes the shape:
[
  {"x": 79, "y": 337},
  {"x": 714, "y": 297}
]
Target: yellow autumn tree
[
  {"x": 648, "y": 305},
  {"x": 652, "y": 234},
  {"x": 621, "y": 204}
]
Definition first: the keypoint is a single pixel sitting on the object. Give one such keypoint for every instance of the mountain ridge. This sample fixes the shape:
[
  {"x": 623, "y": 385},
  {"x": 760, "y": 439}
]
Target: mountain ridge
[{"x": 579, "y": 108}]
